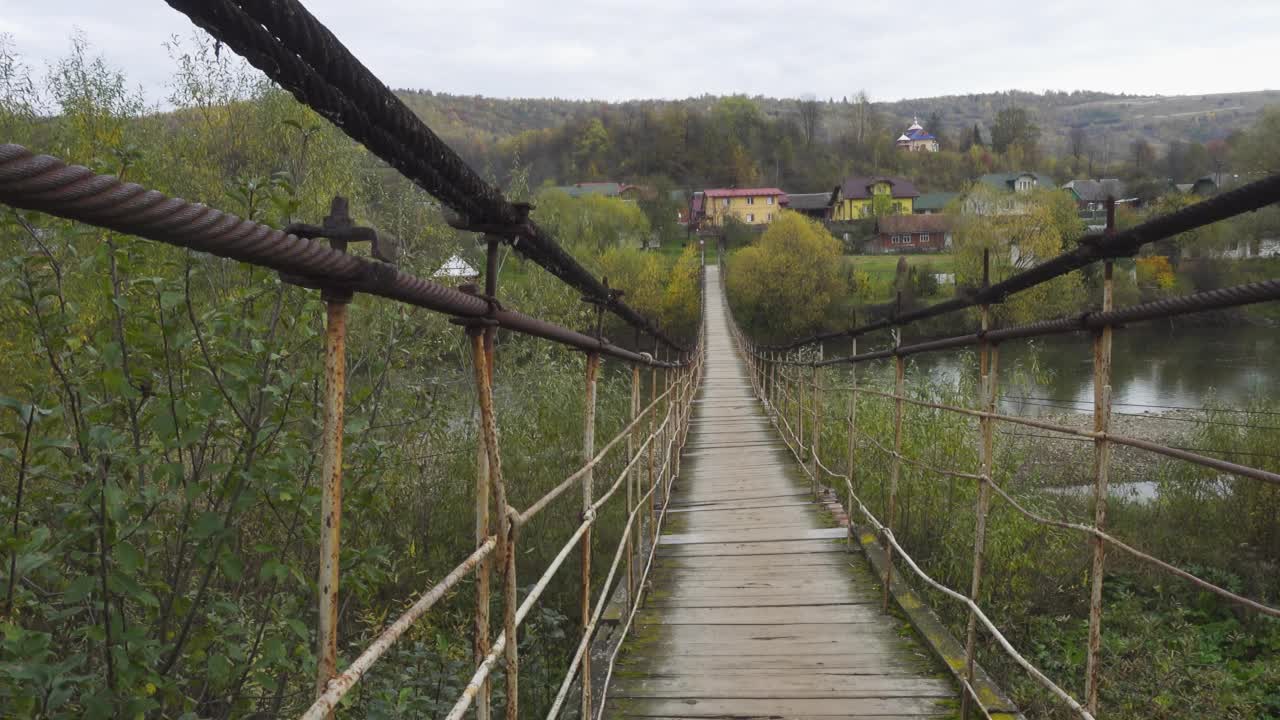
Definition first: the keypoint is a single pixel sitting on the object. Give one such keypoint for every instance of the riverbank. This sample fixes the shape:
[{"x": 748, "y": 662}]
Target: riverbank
[{"x": 1064, "y": 461}]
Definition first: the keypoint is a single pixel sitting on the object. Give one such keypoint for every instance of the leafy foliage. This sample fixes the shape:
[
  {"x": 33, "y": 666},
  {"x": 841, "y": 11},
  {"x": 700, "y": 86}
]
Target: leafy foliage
[
  {"x": 785, "y": 284},
  {"x": 160, "y": 418}
]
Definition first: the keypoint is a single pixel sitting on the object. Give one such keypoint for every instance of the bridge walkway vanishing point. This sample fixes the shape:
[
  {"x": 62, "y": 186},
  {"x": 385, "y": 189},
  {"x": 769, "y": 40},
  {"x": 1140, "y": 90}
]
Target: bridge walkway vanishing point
[{"x": 755, "y": 609}]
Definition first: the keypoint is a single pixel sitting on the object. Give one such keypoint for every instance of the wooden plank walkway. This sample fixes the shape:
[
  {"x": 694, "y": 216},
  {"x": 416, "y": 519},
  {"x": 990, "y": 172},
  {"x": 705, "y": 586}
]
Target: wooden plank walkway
[{"x": 755, "y": 609}]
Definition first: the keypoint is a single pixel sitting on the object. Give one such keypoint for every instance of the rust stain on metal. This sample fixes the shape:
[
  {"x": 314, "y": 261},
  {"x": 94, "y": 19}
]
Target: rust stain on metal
[{"x": 331, "y": 492}]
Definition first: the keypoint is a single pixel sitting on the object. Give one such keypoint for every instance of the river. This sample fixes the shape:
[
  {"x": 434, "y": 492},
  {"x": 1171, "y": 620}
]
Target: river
[{"x": 1154, "y": 369}]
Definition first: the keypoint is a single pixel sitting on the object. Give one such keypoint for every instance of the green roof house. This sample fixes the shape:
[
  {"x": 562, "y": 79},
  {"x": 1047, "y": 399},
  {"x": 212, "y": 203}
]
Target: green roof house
[{"x": 934, "y": 202}]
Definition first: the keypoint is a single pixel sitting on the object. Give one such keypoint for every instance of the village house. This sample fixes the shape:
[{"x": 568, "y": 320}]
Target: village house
[
  {"x": 752, "y": 206},
  {"x": 607, "y": 189},
  {"x": 856, "y": 197},
  {"x": 917, "y": 139},
  {"x": 1091, "y": 195},
  {"x": 1009, "y": 191},
  {"x": 697, "y": 210},
  {"x": 912, "y": 233},
  {"x": 815, "y": 205},
  {"x": 934, "y": 202},
  {"x": 456, "y": 269},
  {"x": 1017, "y": 182}
]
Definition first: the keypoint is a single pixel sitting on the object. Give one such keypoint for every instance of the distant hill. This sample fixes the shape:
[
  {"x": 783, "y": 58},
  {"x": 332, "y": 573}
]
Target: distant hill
[{"x": 1111, "y": 121}]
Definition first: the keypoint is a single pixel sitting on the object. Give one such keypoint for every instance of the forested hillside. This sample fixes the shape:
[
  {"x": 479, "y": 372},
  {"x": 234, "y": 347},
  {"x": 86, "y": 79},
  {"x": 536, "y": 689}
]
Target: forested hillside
[{"x": 555, "y": 137}]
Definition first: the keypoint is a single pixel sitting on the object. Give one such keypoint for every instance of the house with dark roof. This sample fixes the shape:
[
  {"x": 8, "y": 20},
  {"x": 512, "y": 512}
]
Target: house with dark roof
[
  {"x": 917, "y": 139},
  {"x": 1091, "y": 195},
  {"x": 1017, "y": 182},
  {"x": 608, "y": 189},
  {"x": 856, "y": 197},
  {"x": 934, "y": 202},
  {"x": 912, "y": 233},
  {"x": 815, "y": 205},
  {"x": 753, "y": 206}
]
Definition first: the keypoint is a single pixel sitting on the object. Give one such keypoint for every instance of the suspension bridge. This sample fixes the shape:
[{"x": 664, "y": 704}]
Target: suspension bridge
[{"x": 752, "y": 579}]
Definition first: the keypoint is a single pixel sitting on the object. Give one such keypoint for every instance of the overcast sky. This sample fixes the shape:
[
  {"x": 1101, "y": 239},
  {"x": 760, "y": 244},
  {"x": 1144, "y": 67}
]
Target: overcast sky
[{"x": 620, "y": 49}]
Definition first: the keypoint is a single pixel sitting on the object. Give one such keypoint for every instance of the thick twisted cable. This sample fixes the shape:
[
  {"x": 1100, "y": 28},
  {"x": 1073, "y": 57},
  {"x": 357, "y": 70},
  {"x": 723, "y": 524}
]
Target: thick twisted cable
[{"x": 323, "y": 74}]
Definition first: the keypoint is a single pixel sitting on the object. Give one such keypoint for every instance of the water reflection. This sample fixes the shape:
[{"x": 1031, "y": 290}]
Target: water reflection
[{"x": 1153, "y": 369}]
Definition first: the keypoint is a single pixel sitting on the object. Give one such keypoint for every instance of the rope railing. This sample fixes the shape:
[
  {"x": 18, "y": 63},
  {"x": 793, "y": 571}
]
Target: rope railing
[{"x": 793, "y": 399}]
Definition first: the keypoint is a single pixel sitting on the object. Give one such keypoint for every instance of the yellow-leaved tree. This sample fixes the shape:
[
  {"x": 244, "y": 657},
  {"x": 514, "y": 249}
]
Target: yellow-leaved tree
[
  {"x": 784, "y": 284},
  {"x": 1019, "y": 231}
]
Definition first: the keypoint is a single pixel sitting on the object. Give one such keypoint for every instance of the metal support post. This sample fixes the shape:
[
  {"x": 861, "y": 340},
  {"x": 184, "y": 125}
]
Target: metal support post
[
  {"x": 335, "y": 382},
  {"x": 1101, "y": 469},
  {"x": 588, "y": 483},
  {"x": 988, "y": 368},
  {"x": 895, "y": 468},
  {"x": 851, "y": 465},
  {"x": 816, "y": 404}
]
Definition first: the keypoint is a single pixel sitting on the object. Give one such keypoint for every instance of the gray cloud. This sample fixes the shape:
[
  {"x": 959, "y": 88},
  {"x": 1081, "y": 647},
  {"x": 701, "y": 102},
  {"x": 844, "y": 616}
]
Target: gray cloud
[{"x": 619, "y": 49}]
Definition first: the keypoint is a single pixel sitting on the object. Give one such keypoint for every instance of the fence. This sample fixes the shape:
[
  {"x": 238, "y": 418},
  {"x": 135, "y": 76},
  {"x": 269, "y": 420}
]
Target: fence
[
  {"x": 281, "y": 38},
  {"x": 793, "y": 389}
]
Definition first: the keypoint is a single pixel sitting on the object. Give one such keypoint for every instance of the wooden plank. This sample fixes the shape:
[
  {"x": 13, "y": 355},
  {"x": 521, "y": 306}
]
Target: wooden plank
[
  {"x": 755, "y": 610},
  {"x": 847, "y": 661},
  {"x": 753, "y": 536},
  {"x": 782, "y": 708},
  {"x": 767, "y": 684},
  {"x": 727, "y": 563},
  {"x": 778, "y": 615},
  {"x": 778, "y": 547}
]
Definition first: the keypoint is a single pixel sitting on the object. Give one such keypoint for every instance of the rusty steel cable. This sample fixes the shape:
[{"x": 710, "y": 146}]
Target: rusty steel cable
[
  {"x": 47, "y": 184},
  {"x": 283, "y": 40},
  {"x": 1234, "y": 296},
  {"x": 1090, "y": 248}
]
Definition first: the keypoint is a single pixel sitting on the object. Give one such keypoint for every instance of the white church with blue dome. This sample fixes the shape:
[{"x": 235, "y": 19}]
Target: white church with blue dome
[{"x": 917, "y": 139}]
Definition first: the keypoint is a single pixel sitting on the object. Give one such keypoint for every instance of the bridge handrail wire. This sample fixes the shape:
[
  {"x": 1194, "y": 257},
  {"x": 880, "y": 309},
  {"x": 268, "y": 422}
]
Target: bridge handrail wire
[
  {"x": 783, "y": 391},
  {"x": 1091, "y": 247},
  {"x": 283, "y": 40}
]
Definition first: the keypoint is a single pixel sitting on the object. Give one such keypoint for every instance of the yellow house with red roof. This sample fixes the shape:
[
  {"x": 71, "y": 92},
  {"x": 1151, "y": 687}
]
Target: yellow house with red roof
[{"x": 753, "y": 206}]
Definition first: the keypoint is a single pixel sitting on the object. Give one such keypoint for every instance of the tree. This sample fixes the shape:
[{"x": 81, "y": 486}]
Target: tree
[
  {"x": 810, "y": 114},
  {"x": 934, "y": 125},
  {"x": 1143, "y": 155},
  {"x": 1038, "y": 227},
  {"x": 785, "y": 283},
  {"x": 590, "y": 149},
  {"x": 1077, "y": 142},
  {"x": 1258, "y": 148},
  {"x": 1013, "y": 127}
]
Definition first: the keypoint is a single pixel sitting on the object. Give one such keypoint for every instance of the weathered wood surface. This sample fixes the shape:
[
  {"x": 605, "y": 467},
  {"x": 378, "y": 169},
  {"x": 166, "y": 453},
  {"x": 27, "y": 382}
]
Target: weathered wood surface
[{"x": 755, "y": 608}]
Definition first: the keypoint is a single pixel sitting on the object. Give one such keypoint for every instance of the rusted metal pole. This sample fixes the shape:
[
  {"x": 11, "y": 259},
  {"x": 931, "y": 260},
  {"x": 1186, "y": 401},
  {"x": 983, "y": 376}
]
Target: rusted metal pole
[
  {"x": 1101, "y": 468},
  {"x": 895, "y": 470},
  {"x": 335, "y": 388},
  {"x": 851, "y": 466},
  {"x": 484, "y": 571},
  {"x": 633, "y": 478},
  {"x": 987, "y": 383},
  {"x": 506, "y": 530},
  {"x": 817, "y": 428},
  {"x": 771, "y": 388},
  {"x": 799, "y": 405},
  {"x": 588, "y": 481},
  {"x": 989, "y": 359},
  {"x": 653, "y": 453}
]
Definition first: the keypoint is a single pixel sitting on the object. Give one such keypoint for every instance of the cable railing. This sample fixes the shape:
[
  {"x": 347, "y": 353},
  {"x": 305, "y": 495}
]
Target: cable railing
[
  {"x": 39, "y": 182},
  {"x": 791, "y": 385},
  {"x": 283, "y": 40}
]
